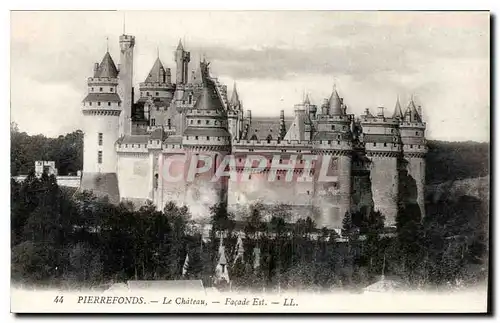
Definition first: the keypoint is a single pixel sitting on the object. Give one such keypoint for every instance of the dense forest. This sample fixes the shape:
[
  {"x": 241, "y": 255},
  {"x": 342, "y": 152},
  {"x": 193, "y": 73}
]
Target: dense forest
[
  {"x": 66, "y": 151},
  {"x": 73, "y": 239},
  {"x": 446, "y": 161}
]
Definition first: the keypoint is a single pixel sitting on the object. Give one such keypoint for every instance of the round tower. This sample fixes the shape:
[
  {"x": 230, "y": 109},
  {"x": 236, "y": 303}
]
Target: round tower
[
  {"x": 383, "y": 148},
  {"x": 332, "y": 143},
  {"x": 412, "y": 130},
  {"x": 101, "y": 118},
  {"x": 125, "y": 87},
  {"x": 207, "y": 141}
]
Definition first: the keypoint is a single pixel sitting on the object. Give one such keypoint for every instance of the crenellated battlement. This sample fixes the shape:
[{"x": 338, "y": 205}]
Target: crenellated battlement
[
  {"x": 102, "y": 80},
  {"x": 157, "y": 86}
]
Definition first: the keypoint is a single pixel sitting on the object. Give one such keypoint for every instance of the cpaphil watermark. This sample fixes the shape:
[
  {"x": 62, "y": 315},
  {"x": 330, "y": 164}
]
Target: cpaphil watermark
[{"x": 214, "y": 168}]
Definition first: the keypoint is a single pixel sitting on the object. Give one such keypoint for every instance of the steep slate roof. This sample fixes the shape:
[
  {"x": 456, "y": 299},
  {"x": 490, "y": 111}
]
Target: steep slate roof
[
  {"x": 154, "y": 75},
  {"x": 208, "y": 99},
  {"x": 102, "y": 97},
  {"x": 297, "y": 130},
  {"x": 335, "y": 105},
  {"x": 307, "y": 101},
  {"x": 411, "y": 110},
  {"x": 262, "y": 127},
  {"x": 235, "y": 100},
  {"x": 107, "y": 68},
  {"x": 398, "y": 113},
  {"x": 179, "y": 46}
]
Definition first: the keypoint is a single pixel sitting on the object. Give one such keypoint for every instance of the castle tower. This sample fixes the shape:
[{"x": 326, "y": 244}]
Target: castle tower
[
  {"x": 234, "y": 114},
  {"x": 383, "y": 148},
  {"x": 207, "y": 136},
  {"x": 182, "y": 59},
  {"x": 102, "y": 108},
  {"x": 412, "y": 130},
  {"x": 332, "y": 142},
  {"x": 125, "y": 87},
  {"x": 157, "y": 92}
]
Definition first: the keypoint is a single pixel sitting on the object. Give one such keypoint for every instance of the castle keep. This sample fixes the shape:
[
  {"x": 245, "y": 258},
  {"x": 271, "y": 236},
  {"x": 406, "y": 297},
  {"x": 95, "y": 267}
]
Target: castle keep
[{"x": 374, "y": 160}]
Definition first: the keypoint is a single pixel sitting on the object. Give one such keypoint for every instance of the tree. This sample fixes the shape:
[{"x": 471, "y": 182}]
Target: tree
[
  {"x": 277, "y": 225},
  {"x": 254, "y": 223}
]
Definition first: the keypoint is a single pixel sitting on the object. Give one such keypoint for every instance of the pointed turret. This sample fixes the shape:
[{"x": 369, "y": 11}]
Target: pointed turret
[
  {"x": 306, "y": 100},
  {"x": 411, "y": 113},
  {"x": 235, "y": 99},
  {"x": 398, "y": 113},
  {"x": 335, "y": 104},
  {"x": 157, "y": 73},
  {"x": 179, "y": 46},
  {"x": 182, "y": 59},
  {"x": 107, "y": 68}
]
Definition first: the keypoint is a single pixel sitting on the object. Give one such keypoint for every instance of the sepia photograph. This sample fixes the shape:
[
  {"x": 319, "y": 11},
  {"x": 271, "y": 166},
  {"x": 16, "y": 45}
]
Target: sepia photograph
[{"x": 250, "y": 161}]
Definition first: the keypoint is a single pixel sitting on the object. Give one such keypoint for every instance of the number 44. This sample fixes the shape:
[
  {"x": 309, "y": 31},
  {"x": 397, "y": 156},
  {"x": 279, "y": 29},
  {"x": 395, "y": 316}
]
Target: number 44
[{"x": 59, "y": 299}]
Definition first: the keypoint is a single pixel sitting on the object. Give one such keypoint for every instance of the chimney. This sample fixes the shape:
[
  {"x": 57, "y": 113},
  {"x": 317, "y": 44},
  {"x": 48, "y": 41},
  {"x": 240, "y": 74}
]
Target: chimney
[
  {"x": 324, "y": 107},
  {"x": 168, "y": 78},
  {"x": 96, "y": 67},
  {"x": 380, "y": 112},
  {"x": 249, "y": 116}
]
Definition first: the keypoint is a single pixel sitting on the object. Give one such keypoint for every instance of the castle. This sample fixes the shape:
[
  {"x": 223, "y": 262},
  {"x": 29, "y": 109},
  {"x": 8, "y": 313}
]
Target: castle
[{"x": 374, "y": 160}]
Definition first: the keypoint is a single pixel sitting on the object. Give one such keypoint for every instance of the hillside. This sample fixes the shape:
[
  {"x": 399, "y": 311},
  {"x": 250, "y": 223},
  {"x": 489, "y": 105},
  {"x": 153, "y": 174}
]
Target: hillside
[
  {"x": 474, "y": 187},
  {"x": 451, "y": 161}
]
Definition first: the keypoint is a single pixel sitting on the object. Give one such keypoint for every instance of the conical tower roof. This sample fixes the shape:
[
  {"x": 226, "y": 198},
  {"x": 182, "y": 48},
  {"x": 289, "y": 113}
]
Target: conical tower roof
[
  {"x": 179, "y": 46},
  {"x": 335, "y": 105},
  {"x": 398, "y": 113},
  {"x": 107, "y": 68},
  {"x": 306, "y": 100},
  {"x": 209, "y": 98},
  {"x": 235, "y": 99},
  {"x": 157, "y": 73},
  {"x": 412, "y": 112}
]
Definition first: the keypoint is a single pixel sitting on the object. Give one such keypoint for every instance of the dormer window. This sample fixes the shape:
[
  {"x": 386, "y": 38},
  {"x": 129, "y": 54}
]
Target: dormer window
[
  {"x": 196, "y": 137},
  {"x": 333, "y": 127},
  {"x": 207, "y": 122},
  {"x": 110, "y": 89},
  {"x": 109, "y": 104},
  {"x": 208, "y": 138},
  {"x": 90, "y": 103},
  {"x": 199, "y": 122},
  {"x": 99, "y": 103},
  {"x": 157, "y": 94},
  {"x": 100, "y": 89}
]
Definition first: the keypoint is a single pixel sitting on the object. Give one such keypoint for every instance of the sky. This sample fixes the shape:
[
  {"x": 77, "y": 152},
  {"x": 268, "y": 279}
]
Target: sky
[{"x": 441, "y": 58}]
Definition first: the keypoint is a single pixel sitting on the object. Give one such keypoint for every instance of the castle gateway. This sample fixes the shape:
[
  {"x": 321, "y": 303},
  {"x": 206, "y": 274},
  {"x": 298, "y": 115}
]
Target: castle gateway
[{"x": 187, "y": 142}]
